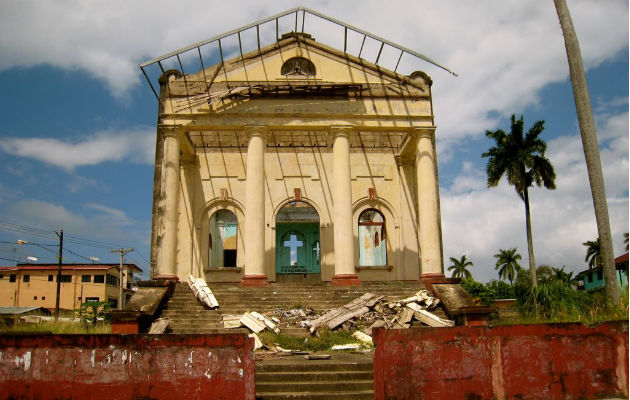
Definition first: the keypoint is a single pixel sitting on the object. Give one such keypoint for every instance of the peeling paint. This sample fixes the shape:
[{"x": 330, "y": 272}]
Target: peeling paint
[
  {"x": 66, "y": 356},
  {"x": 27, "y": 361}
]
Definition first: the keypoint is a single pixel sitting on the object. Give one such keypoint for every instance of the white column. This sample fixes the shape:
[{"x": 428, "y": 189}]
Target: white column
[
  {"x": 255, "y": 210},
  {"x": 428, "y": 215},
  {"x": 168, "y": 209},
  {"x": 345, "y": 273}
]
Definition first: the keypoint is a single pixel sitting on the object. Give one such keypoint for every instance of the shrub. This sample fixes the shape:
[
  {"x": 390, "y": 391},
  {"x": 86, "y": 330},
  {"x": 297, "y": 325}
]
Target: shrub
[{"x": 93, "y": 311}]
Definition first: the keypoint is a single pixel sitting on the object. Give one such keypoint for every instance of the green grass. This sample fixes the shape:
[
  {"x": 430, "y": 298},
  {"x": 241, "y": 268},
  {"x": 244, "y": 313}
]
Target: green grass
[
  {"x": 555, "y": 302},
  {"x": 323, "y": 342},
  {"x": 59, "y": 327}
]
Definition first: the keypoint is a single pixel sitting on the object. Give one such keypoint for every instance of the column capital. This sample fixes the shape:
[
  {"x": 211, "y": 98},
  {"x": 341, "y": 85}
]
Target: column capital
[
  {"x": 256, "y": 130},
  {"x": 424, "y": 131},
  {"x": 168, "y": 130},
  {"x": 341, "y": 130}
]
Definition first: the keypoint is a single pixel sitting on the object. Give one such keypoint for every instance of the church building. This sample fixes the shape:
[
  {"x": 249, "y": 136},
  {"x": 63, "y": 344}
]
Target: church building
[{"x": 295, "y": 161}]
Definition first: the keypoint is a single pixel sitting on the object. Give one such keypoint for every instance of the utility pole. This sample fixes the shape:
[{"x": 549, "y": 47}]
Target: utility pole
[
  {"x": 122, "y": 253},
  {"x": 60, "y": 234}
]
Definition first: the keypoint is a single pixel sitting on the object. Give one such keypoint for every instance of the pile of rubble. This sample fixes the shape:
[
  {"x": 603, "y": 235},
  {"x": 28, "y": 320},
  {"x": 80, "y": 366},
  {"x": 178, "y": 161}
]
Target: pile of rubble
[{"x": 361, "y": 315}]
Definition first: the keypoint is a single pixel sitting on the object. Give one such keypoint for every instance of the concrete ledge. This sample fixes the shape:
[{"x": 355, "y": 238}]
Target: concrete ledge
[
  {"x": 543, "y": 361},
  {"x": 127, "y": 366}
]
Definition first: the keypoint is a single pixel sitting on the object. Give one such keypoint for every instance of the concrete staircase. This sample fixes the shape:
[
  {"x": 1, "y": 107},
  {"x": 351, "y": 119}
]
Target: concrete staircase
[
  {"x": 344, "y": 376},
  {"x": 187, "y": 315}
]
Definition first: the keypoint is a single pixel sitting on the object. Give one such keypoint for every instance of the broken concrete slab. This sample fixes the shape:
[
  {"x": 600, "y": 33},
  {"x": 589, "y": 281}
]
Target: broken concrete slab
[
  {"x": 252, "y": 323},
  {"x": 159, "y": 326},
  {"x": 202, "y": 291},
  {"x": 231, "y": 321},
  {"x": 428, "y": 318}
]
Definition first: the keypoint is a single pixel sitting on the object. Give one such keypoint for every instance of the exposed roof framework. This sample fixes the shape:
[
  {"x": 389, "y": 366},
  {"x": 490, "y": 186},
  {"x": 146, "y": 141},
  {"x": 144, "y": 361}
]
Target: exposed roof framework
[{"x": 218, "y": 48}]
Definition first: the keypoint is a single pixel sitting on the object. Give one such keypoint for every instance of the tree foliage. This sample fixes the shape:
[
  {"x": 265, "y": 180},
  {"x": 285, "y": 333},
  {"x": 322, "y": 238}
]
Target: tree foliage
[
  {"x": 521, "y": 158},
  {"x": 459, "y": 267},
  {"x": 507, "y": 264},
  {"x": 593, "y": 253}
]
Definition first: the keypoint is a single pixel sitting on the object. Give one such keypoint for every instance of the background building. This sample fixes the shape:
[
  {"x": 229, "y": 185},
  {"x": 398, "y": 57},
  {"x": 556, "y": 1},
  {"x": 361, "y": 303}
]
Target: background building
[{"x": 35, "y": 285}]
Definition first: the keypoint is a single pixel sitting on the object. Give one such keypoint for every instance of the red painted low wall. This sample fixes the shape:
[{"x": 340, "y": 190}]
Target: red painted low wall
[
  {"x": 552, "y": 361},
  {"x": 126, "y": 366}
]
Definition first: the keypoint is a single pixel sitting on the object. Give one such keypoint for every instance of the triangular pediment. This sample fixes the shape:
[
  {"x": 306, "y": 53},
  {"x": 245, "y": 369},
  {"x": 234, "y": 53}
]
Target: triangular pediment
[{"x": 333, "y": 73}]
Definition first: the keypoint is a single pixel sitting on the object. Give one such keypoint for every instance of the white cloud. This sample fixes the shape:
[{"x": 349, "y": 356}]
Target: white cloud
[
  {"x": 132, "y": 145},
  {"x": 478, "y": 221},
  {"x": 504, "y": 52},
  {"x": 96, "y": 222}
]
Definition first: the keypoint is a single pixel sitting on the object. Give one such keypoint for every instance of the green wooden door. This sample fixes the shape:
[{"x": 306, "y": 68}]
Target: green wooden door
[{"x": 297, "y": 248}]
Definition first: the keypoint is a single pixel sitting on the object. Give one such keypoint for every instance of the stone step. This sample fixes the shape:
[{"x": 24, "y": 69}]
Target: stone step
[
  {"x": 188, "y": 315},
  {"x": 345, "y": 395},
  {"x": 337, "y": 362},
  {"x": 343, "y": 376},
  {"x": 308, "y": 376},
  {"x": 296, "y": 385}
]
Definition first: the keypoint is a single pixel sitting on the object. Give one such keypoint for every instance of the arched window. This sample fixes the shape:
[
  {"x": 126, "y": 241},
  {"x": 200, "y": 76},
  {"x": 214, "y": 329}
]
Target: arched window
[
  {"x": 372, "y": 239},
  {"x": 222, "y": 239},
  {"x": 298, "y": 66}
]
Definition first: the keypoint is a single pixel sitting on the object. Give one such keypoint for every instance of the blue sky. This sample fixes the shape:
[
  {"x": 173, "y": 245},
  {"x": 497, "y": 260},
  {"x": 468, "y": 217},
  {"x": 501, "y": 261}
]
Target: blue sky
[{"x": 78, "y": 121}]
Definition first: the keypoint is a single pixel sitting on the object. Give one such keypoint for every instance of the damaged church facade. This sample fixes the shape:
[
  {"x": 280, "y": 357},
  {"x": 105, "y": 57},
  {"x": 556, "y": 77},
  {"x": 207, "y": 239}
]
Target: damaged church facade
[{"x": 295, "y": 162}]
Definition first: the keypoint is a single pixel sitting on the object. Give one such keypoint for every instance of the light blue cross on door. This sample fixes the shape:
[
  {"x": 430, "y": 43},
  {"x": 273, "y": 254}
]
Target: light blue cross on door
[{"x": 293, "y": 245}]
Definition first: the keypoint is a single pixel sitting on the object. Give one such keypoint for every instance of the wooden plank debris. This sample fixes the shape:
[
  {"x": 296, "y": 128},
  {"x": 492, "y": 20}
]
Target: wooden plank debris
[
  {"x": 202, "y": 291},
  {"x": 338, "y": 316}
]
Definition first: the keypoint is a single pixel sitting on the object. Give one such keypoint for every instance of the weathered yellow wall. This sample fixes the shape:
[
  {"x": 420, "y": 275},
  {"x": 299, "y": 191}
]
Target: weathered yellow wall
[{"x": 40, "y": 292}]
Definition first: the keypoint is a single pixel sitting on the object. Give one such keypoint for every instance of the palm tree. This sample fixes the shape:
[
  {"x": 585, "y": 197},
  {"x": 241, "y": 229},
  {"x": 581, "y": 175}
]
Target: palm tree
[
  {"x": 563, "y": 276},
  {"x": 507, "y": 264},
  {"x": 593, "y": 253},
  {"x": 459, "y": 267},
  {"x": 591, "y": 149},
  {"x": 522, "y": 159}
]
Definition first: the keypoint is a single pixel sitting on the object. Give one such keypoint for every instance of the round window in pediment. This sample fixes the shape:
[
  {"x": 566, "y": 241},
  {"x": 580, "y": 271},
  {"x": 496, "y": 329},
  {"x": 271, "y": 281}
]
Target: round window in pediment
[{"x": 298, "y": 66}]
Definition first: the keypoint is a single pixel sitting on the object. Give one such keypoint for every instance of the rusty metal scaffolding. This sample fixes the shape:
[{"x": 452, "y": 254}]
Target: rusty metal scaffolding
[{"x": 298, "y": 24}]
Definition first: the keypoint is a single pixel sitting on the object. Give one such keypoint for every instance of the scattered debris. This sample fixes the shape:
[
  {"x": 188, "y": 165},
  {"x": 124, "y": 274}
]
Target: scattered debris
[
  {"x": 159, "y": 326},
  {"x": 429, "y": 318},
  {"x": 349, "y": 346},
  {"x": 367, "y": 339},
  {"x": 252, "y": 323},
  {"x": 268, "y": 322},
  {"x": 338, "y": 316},
  {"x": 231, "y": 321},
  {"x": 202, "y": 291},
  {"x": 257, "y": 342},
  {"x": 317, "y": 357}
]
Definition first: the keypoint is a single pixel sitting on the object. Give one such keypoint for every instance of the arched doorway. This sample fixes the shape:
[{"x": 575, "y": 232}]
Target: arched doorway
[
  {"x": 298, "y": 249},
  {"x": 222, "y": 239}
]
